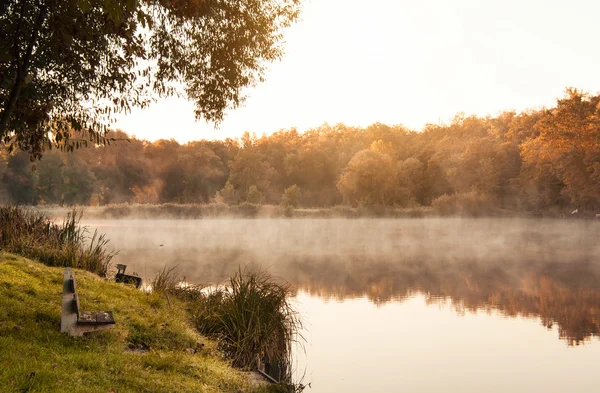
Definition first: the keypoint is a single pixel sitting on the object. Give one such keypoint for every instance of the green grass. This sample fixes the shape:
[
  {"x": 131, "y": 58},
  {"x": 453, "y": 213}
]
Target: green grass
[{"x": 152, "y": 348}]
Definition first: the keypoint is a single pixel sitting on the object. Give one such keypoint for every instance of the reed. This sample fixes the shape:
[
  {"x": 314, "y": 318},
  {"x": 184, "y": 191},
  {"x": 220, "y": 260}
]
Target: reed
[
  {"x": 35, "y": 235},
  {"x": 252, "y": 319},
  {"x": 166, "y": 280}
]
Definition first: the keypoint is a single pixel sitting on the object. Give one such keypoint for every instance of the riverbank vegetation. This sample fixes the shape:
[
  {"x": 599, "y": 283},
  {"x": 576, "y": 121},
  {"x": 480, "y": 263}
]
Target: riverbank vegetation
[
  {"x": 35, "y": 235},
  {"x": 245, "y": 210},
  {"x": 538, "y": 161},
  {"x": 153, "y": 347},
  {"x": 250, "y": 319}
]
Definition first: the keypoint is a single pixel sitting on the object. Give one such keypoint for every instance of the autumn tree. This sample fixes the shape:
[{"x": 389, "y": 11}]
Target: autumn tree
[
  {"x": 74, "y": 65},
  {"x": 567, "y": 148},
  {"x": 228, "y": 194},
  {"x": 546, "y": 160},
  {"x": 410, "y": 181},
  {"x": 314, "y": 168},
  {"x": 291, "y": 197},
  {"x": 250, "y": 168},
  {"x": 369, "y": 178},
  {"x": 79, "y": 181},
  {"x": 254, "y": 195},
  {"x": 121, "y": 169},
  {"x": 195, "y": 176}
]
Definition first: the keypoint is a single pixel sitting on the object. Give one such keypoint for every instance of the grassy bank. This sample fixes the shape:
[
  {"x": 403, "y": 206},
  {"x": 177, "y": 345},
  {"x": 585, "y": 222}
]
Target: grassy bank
[{"x": 153, "y": 347}]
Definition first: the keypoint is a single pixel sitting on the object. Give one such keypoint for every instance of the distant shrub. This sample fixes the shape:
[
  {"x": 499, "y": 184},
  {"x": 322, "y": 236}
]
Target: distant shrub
[
  {"x": 287, "y": 211},
  {"x": 176, "y": 210},
  {"x": 471, "y": 204},
  {"x": 246, "y": 209},
  {"x": 370, "y": 209},
  {"x": 216, "y": 209},
  {"x": 116, "y": 211},
  {"x": 343, "y": 211},
  {"x": 269, "y": 211},
  {"x": 36, "y": 236},
  {"x": 250, "y": 210},
  {"x": 415, "y": 212}
]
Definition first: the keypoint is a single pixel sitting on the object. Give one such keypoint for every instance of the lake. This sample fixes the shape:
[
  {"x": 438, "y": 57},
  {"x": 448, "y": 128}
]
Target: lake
[{"x": 409, "y": 305}]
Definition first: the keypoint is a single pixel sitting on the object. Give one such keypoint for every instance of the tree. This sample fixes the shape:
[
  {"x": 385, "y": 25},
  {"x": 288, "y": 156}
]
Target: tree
[
  {"x": 72, "y": 65},
  {"x": 291, "y": 197},
  {"x": 567, "y": 149},
  {"x": 254, "y": 195},
  {"x": 370, "y": 178},
  {"x": 4, "y": 194},
  {"x": 79, "y": 181},
  {"x": 249, "y": 168},
  {"x": 410, "y": 181},
  {"x": 20, "y": 180},
  {"x": 228, "y": 195},
  {"x": 196, "y": 176},
  {"x": 50, "y": 172},
  {"x": 121, "y": 169}
]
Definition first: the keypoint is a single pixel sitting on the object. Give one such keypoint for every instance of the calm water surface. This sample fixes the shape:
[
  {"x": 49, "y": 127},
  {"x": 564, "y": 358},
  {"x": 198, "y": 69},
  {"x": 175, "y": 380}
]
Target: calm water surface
[{"x": 424, "y": 305}]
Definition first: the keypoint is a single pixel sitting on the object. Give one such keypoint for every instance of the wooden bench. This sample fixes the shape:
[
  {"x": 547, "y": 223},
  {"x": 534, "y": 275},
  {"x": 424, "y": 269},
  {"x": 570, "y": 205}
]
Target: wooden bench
[{"x": 77, "y": 322}]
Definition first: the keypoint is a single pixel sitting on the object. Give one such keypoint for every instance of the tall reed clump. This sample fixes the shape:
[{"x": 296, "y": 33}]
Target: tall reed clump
[
  {"x": 36, "y": 236},
  {"x": 252, "y": 319},
  {"x": 167, "y": 282}
]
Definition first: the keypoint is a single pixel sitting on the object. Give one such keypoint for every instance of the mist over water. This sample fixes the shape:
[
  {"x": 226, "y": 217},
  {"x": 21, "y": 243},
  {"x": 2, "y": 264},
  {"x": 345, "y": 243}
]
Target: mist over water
[{"x": 522, "y": 277}]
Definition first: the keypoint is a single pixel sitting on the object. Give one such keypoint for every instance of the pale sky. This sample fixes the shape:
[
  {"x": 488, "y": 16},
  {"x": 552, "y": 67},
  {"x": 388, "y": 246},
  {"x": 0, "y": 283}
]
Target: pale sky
[{"x": 405, "y": 62}]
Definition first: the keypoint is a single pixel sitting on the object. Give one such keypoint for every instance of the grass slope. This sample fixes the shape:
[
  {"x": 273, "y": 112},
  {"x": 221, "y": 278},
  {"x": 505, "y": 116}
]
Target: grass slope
[{"x": 151, "y": 349}]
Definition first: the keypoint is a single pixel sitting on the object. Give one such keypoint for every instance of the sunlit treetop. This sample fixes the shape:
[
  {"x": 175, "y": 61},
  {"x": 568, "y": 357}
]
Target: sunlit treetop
[{"x": 70, "y": 66}]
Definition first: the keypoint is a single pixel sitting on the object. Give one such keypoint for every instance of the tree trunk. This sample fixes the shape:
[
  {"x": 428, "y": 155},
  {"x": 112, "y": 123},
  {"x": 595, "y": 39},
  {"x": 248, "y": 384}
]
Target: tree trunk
[{"x": 22, "y": 70}]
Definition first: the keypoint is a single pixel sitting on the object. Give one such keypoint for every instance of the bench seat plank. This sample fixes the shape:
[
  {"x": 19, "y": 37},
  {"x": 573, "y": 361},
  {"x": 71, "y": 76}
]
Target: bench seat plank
[
  {"x": 105, "y": 317},
  {"x": 96, "y": 318}
]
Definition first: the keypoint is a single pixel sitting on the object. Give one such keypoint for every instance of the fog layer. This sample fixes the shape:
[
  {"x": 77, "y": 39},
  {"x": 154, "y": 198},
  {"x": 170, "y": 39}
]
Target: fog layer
[{"x": 542, "y": 268}]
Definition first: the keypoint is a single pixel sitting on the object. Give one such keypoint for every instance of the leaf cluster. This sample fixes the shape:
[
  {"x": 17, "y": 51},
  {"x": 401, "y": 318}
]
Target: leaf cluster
[{"x": 72, "y": 66}]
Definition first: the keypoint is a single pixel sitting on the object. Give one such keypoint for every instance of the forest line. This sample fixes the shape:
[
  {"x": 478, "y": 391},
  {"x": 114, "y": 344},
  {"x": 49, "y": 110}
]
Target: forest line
[{"x": 538, "y": 160}]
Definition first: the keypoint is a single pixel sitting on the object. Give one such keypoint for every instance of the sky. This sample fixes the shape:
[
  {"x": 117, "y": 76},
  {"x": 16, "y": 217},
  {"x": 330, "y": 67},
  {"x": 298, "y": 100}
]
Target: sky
[{"x": 404, "y": 62}]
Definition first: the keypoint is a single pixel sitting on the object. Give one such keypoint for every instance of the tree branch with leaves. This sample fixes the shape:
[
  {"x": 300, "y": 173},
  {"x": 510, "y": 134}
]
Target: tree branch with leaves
[{"x": 71, "y": 66}]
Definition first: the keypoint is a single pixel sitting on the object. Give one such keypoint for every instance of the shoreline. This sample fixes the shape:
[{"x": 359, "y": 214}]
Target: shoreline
[
  {"x": 153, "y": 346},
  {"x": 246, "y": 210}
]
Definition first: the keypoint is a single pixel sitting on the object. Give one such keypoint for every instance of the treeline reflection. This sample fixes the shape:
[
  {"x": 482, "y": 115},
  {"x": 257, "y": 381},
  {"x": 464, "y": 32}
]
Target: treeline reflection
[{"x": 565, "y": 294}]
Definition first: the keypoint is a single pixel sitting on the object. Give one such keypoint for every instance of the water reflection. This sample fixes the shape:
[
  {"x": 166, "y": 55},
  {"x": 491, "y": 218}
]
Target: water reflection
[
  {"x": 558, "y": 293},
  {"x": 548, "y": 270}
]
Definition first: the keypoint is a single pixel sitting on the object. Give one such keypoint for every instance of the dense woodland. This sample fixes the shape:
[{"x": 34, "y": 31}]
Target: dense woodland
[{"x": 538, "y": 160}]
